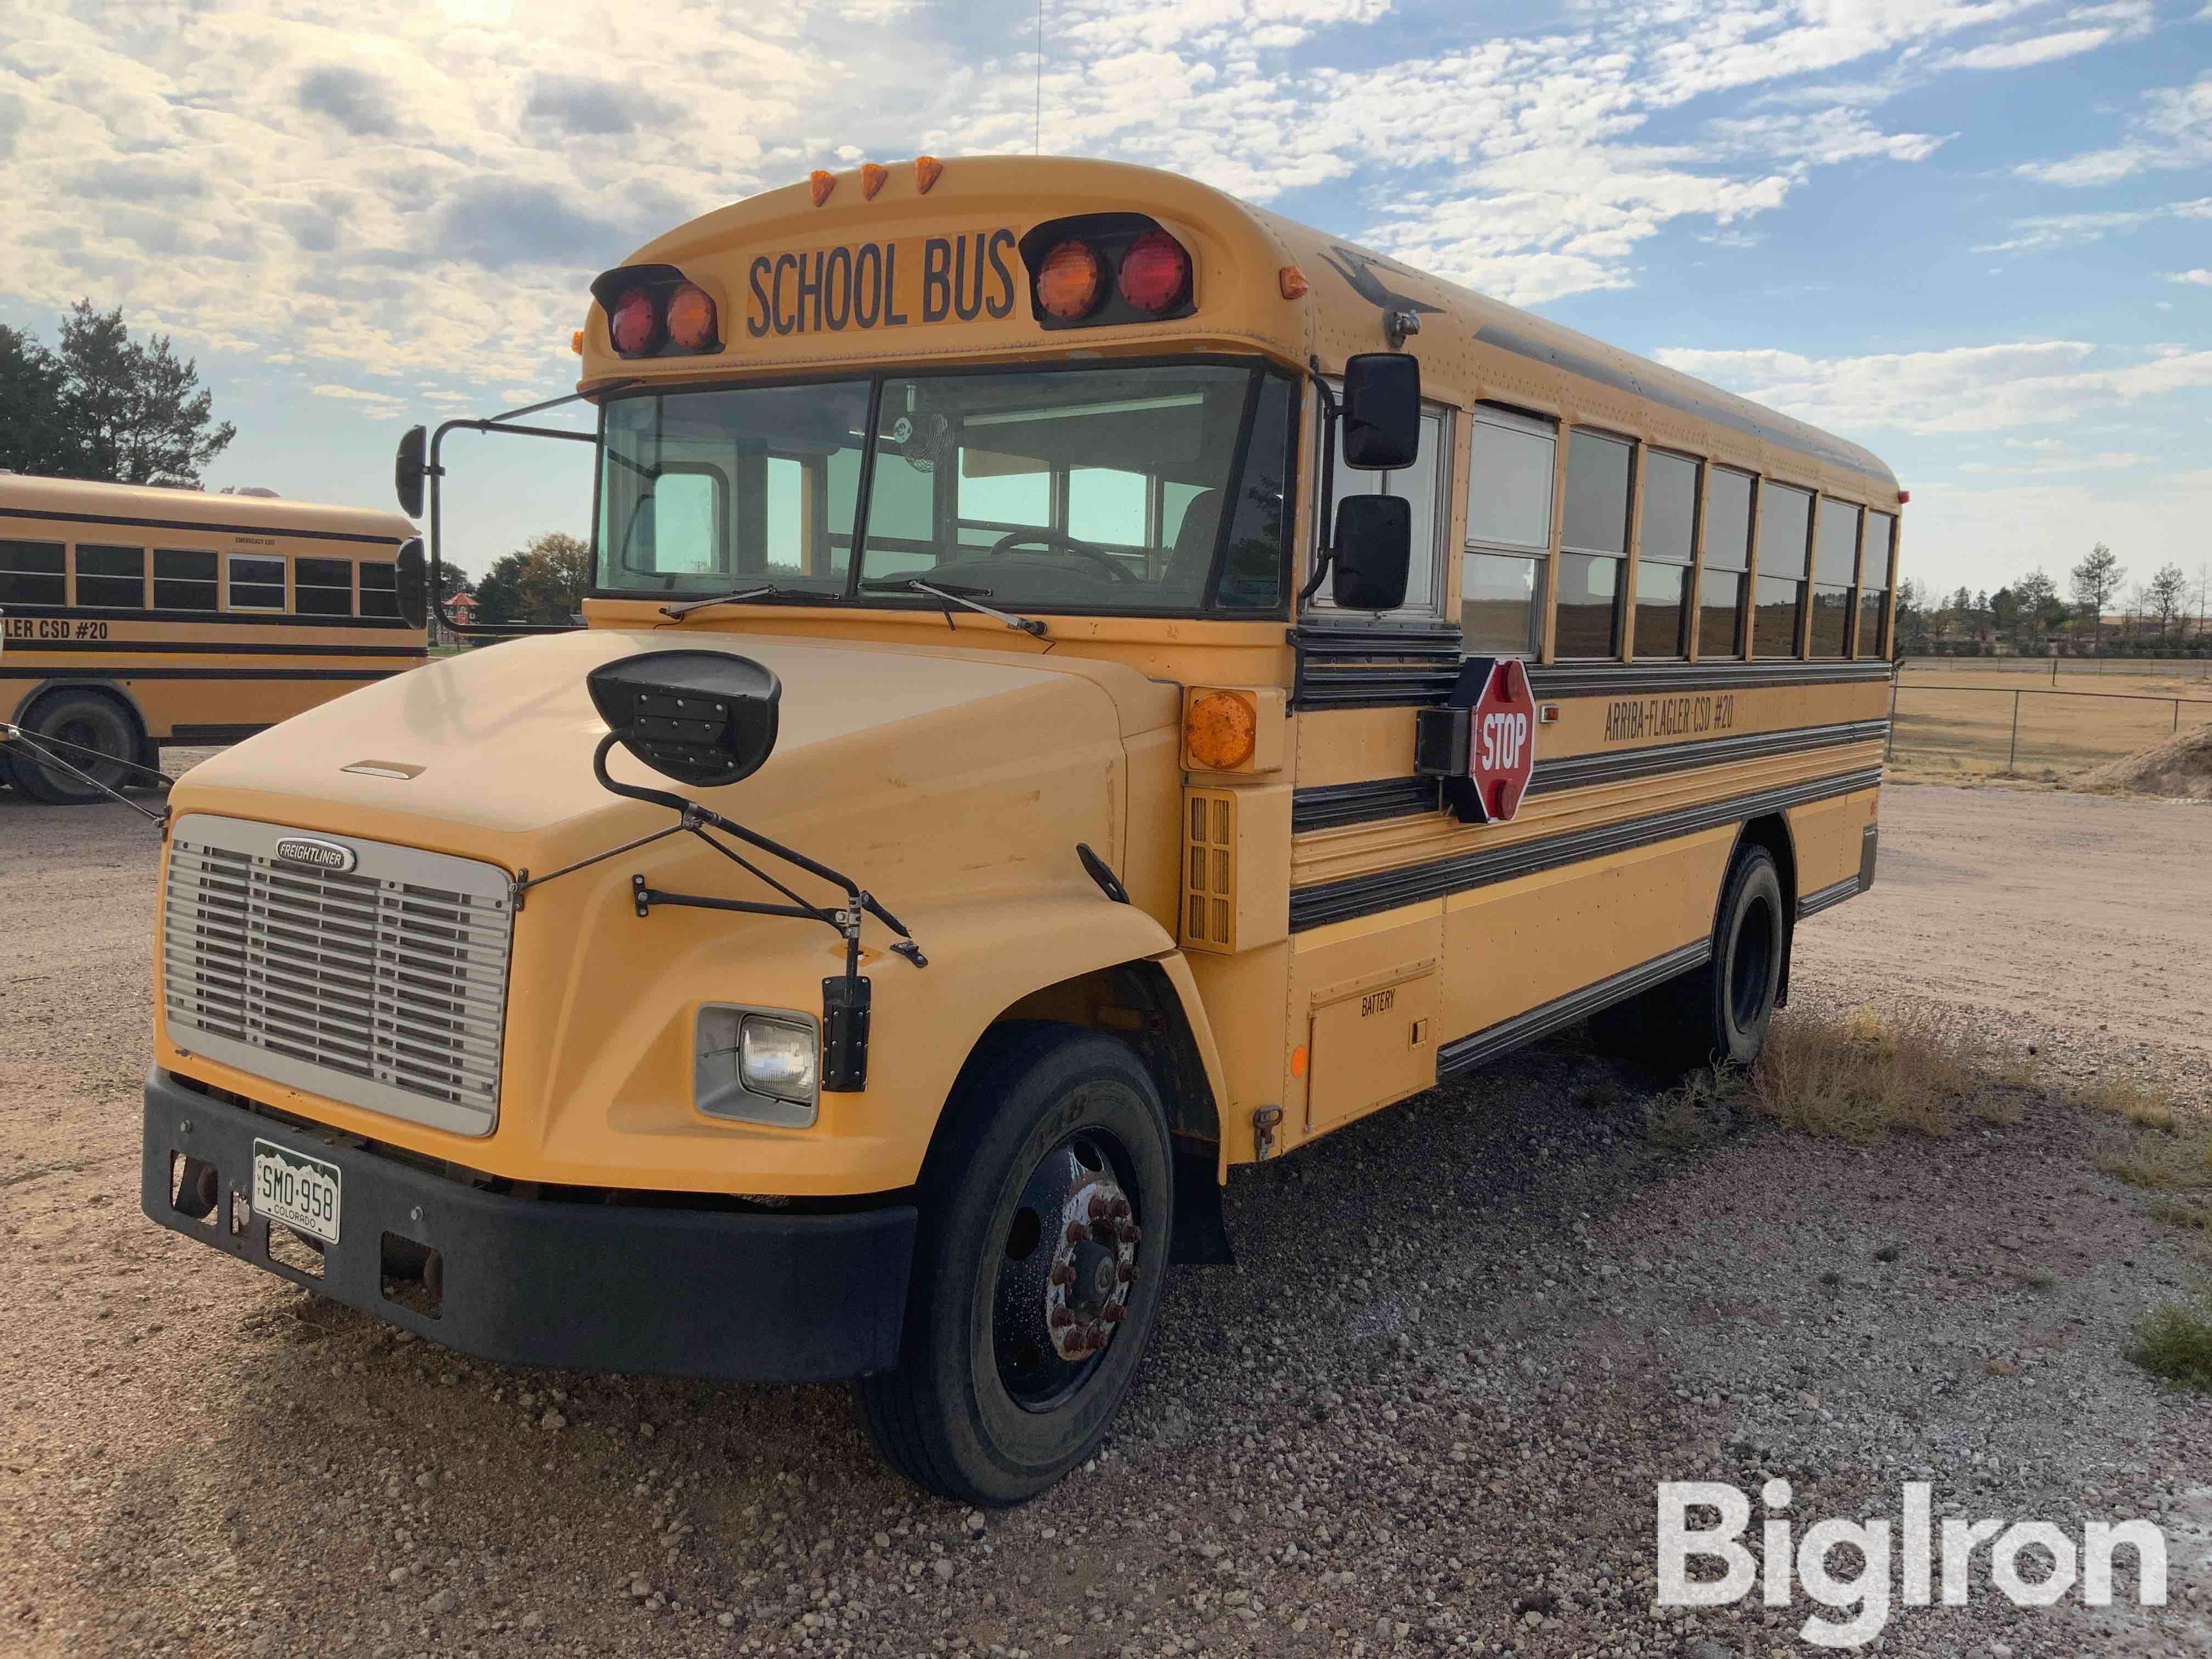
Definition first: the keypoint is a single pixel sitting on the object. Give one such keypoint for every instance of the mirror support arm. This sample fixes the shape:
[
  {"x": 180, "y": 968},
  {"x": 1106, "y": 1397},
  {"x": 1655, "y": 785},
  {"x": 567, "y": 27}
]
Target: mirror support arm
[{"x": 1323, "y": 553}]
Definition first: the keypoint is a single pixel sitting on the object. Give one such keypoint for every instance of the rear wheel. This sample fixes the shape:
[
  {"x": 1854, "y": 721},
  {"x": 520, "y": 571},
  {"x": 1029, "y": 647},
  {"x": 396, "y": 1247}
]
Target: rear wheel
[
  {"x": 1046, "y": 1210},
  {"x": 87, "y": 720}
]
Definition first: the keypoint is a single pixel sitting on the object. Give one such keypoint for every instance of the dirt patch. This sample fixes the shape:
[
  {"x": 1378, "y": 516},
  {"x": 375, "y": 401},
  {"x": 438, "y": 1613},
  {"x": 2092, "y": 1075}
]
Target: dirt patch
[{"x": 2178, "y": 768}]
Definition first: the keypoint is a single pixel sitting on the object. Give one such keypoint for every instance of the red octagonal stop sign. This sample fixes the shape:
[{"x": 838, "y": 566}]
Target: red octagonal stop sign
[{"x": 1501, "y": 741}]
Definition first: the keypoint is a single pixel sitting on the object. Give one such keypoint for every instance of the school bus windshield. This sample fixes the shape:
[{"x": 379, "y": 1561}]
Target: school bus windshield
[{"x": 1097, "y": 489}]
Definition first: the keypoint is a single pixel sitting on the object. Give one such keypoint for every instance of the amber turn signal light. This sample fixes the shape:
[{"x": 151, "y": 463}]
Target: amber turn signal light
[
  {"x": 1220, "y": 730},
  {"x": 1072, "y": 281},
  {"x": 691, "y": 319},
  {"x": 820, "y": 184}
]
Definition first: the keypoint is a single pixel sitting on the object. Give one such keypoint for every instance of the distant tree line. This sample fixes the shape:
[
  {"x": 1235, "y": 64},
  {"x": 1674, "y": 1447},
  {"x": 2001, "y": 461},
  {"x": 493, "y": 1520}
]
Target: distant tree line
[
  {"x": 104, "y": 406},
  {"x": 543, "y": 581},
  {"x": 2165, "y": 615}
]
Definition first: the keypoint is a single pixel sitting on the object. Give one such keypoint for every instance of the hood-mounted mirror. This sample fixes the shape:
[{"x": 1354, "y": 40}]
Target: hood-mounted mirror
[{"x": 703, "y": 718}]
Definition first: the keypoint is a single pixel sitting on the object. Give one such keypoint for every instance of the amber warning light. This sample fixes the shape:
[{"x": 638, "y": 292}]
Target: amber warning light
[{"x": 655, "y": 311}]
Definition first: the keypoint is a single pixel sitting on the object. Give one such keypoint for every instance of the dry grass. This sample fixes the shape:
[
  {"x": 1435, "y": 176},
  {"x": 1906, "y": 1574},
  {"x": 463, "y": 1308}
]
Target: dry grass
[
  {"x": 2147, "y": 1104},
  {"x": 1697, "y": 1111},
  {"x": 1874, "y": 1073},
  {"x": 2163, "y": 1163}
]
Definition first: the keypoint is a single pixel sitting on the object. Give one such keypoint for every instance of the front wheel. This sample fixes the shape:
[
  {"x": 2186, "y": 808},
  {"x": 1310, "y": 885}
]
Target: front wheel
[
  {"x": 1046, "y": 1210},
  {"x": 85, "y": 727}
]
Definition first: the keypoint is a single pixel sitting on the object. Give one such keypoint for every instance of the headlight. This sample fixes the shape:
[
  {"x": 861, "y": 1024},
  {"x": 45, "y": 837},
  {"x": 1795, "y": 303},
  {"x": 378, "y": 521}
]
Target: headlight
[
  {"x": 759, "y": 1065},
  {"x": 777, "y": 1059}
]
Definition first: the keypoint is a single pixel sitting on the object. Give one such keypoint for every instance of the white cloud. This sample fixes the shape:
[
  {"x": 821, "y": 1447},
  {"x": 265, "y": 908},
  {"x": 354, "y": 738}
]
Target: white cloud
[
  {"x": 2064, "y": 229},
  {"x": 2174, "y": 130},
  {"x": 2201, "y": 278},
  {"x": 2019, "y": 54},
  {"x": 1960, "y": 390}
]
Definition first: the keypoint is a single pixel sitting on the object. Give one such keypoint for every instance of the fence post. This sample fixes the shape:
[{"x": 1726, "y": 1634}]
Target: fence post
[
  {"x": 2015, "y": 755},
  {"x": 2176, "y": 717},
  {"x": 2054, "y": 668}
]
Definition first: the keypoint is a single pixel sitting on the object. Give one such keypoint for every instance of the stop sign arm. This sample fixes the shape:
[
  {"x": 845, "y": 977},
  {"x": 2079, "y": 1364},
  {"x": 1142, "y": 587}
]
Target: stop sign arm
[{"x": 1480, "y": 745}]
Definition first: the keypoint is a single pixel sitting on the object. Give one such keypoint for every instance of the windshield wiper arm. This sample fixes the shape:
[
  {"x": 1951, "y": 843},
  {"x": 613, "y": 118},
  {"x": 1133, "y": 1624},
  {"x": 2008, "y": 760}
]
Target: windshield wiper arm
[
  {"x": 953, "y": 593},
  {"x": 765, "y": 591}
]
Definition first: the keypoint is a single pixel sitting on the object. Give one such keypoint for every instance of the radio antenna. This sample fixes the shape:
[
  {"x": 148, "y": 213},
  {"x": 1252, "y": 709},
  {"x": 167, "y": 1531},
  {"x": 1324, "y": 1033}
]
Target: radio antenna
[{"x": 1037, "y": 142}]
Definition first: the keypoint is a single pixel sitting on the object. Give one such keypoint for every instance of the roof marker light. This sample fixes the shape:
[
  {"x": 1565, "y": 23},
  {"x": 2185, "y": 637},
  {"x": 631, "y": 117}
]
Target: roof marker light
[
  {"x": 927, "y": 170},
  {"x": 1292, "y": 282},
  {"x": 871, "y": 180},
  {"x": 822, "y": 183}
]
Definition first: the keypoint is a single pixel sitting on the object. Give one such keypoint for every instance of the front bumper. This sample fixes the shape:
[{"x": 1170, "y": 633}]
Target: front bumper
[{"x": 739, "y": 1295}]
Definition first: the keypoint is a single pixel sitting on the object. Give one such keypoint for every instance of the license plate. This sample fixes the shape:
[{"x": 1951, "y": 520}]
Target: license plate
[{"x": 300, "y": 1191}]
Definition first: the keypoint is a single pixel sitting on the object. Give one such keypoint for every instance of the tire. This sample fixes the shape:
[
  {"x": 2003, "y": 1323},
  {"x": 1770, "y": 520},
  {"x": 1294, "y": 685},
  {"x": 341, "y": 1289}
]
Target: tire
[
  {"x": 987, "y": 1405},
  {"x": 91, "y": 721},
  {"x": 1718, "y": 1014}
]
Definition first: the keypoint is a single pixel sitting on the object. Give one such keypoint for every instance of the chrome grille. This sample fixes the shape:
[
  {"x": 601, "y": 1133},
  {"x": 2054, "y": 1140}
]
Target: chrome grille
[{"x": 384, "y": 986}]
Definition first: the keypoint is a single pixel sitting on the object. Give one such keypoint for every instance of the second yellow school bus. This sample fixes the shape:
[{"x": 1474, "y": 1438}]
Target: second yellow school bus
[{"x": 1088, "y": 683}]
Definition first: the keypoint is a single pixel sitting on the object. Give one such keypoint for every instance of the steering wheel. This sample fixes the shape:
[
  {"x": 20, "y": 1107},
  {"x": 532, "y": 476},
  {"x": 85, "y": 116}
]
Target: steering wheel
[{"x": 1013, "y": 539}]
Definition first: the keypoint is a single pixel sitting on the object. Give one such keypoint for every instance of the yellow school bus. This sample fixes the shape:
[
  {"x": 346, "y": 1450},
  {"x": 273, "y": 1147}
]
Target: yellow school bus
[
  {"x": 136, "y": 617},
  {"x": 1089, "y": 684}
]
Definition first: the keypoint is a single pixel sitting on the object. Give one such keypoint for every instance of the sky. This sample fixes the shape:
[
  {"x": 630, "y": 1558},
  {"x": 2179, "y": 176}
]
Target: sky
[{"x": 1974, "y": 235}]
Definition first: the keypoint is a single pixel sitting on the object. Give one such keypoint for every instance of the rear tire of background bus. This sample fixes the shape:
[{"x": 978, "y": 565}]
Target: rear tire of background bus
[
  {"x": 1047, "y": 1205},
  {"x": 1718, "y": 1014},
  {"x": 89, "y": 720}
]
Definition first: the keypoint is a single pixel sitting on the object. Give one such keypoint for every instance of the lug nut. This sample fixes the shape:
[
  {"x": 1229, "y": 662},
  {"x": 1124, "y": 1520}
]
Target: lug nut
[
  {"x": 1063, "y": 1272},
  {"x": 1077, "y": 1233},
  {"x": 1132, "y": 1234},
  {"x": 1115, "y": 1313},
  {"x": 1059, "y": 1318},
  {"x": 1121, "y": 1209},
  {"x": 1101, "y": 1207},
  {"x": 1127, "y": 1272}
]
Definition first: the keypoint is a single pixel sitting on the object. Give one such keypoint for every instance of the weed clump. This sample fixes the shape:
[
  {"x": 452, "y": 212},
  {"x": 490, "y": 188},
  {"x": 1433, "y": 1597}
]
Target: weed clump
[
  {"x": 1873, "y": 1074},
  {"x": 2175, "y": 1343}
]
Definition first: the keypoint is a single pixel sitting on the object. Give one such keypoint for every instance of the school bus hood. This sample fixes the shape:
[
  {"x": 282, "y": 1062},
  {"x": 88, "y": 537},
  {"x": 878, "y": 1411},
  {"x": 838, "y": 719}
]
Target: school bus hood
[{"x": 874, "y": 742}]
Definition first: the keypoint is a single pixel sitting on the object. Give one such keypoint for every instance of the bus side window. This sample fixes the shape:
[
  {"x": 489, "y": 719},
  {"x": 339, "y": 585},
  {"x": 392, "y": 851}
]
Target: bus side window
[
  {"x": 255, "y": 584},
  {"x": 33, "y": 572},
  {"x": 184, "y": 580},
  {"x": 379, "y": 591},
  {"x": 322, "y": 587},
  {"x": 113, "y": 577},
  {"x": 1508, "y": 534},
  {"x": 1722, "y": 598},
  {"x": 1425, "y": 487}
]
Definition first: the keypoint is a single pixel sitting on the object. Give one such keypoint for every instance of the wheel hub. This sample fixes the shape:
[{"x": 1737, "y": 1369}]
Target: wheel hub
[
  {"x": 1070, "y": 1261},
  {"x": 1092, "y": 1268}
]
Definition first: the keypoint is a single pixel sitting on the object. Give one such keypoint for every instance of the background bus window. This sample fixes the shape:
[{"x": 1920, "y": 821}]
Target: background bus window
[
  {"x": 1835, "y": 567},
  {"x": 1107, "y": 505},
  {"x": 1422, "y": 487},
  {"x": 33, "y": 572},
  {"x": 255, "y": 584},
  {"x": 1593, "y": 545},
  {"x": 322, "y": 587},
  {"x": 1874, "y": 584},
  {"x": 112, "y": 578},
  {"x": 1510, "y": 464},
  {"x": 379, "y": 590},
  {"x": 1663, "y": 570},
  {"x": 185, "y": 579},
  {"x": 1785, "y": 528},
  {"x": 1722, "y": 595}
]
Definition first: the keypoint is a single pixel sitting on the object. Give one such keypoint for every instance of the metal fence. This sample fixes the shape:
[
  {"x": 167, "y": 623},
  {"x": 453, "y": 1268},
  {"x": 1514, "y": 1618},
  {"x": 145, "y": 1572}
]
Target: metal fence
[
  {"x": 1940, "y": 727},
  {"x": 2053, "y": 668}
]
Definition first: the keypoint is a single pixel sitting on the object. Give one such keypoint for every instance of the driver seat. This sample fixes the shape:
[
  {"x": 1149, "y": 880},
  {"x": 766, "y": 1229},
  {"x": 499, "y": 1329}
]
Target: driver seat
[{"x": 1184, "y": 573}]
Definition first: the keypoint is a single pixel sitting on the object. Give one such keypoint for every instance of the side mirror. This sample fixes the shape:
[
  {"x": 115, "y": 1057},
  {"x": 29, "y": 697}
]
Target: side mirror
[
  {"x": 1373, "y": 550},
  {"x": 1381, "y": 412},
  {"x": 704, "y": 718},
  {"x": 409, "y": 469},
  {"x": 413, "y": 578}
]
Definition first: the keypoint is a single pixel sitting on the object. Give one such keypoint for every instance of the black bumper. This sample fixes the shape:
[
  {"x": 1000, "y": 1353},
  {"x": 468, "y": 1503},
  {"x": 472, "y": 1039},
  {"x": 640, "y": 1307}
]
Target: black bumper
[{"x": 684, "y": 1292}]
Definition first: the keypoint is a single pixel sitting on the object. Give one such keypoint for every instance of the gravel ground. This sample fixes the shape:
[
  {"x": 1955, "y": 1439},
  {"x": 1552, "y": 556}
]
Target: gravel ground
[{"x": 1425, "y": 1413}]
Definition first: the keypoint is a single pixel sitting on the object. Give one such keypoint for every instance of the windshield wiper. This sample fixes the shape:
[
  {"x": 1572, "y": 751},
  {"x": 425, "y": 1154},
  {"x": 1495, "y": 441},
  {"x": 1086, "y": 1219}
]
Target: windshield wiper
[
  {"x": 765, "y": 591},
  {"x": 953, "y": 593}
]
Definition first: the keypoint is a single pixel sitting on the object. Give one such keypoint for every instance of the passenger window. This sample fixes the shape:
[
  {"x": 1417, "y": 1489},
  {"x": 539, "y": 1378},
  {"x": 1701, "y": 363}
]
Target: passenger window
[
  {"x": 1593, "y": 539},
  {"x": 112, "y": 578},
  {"x": 1722, "y": 595},
  {"x": 379, "y": 590},
  {"x": 1422, "y": 487},
  {"x": 1785, "y": 528},
  {"x": 255, "y": 584},
  {"x": 1510, "y": 465},
  {"x": 1873, "y": 584},
  {"x": 322, "y": 587},
  {"x": 1662, "y": 572},
  {"x": 184, "y": 580},
  {"x": 1835, "y": 565},
  {"x": 33, "y": 572}
]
